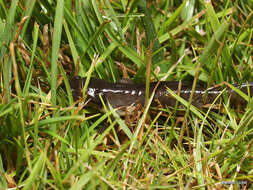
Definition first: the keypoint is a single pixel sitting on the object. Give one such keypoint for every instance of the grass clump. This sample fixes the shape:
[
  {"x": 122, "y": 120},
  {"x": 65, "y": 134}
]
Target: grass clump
[{"x": 47, "y": 142}]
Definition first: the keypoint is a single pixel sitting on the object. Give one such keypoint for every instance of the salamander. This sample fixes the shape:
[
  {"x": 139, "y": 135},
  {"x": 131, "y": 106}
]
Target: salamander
[{"x": 123, "y": 95}]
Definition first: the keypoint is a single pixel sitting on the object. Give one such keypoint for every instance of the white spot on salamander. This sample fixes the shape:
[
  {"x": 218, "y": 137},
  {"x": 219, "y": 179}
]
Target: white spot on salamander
[
  {"x": 113, "y": 91},
  {"x": 190, "y": 91},
  {"x": 214, "y": 92},
  {"x": 91, "y": 92},
  {"x": 133, "y": 92},
  {"x": 201, "y": 91}
]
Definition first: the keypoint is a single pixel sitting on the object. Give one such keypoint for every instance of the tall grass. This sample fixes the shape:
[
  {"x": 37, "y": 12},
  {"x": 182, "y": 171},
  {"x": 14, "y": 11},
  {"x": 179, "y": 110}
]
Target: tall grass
[{"x": 48, "y": 142}]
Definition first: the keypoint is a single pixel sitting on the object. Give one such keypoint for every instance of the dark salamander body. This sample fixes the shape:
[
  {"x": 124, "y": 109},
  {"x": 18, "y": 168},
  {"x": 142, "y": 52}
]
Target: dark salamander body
[{"x": 123, "y": 95}]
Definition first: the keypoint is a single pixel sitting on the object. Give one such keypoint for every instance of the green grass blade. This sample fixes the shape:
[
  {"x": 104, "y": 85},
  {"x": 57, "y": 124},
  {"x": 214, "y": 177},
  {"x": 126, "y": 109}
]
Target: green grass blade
[
  {"x": 175, "y": 15},
  {"x": 64, "y": 118},
  {"x": 186, "y": 104},
  {"x": 8, "y": 29},
  {"x": 122, "y": 124},
  {"x": 150, "y": 31},
  {"x": 6, "y": 38},
  {"x": 29, "y": 75},
  {"x": 188, "y": 10},
  {"x": 29, "y": 7},
  {"x": 55, "y": 47},
  {"x": 114, "y": 18},
  {"x": 36, "y": 171},
  {"x": 212, "y": 16},
  {"x": 214, "y": 43},
  {"x": 73, "y": 50},
  {"x": 3, "y": 183}
]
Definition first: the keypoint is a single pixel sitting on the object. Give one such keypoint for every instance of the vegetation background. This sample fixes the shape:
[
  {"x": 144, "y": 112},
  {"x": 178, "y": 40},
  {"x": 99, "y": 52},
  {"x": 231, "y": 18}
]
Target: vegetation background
[{"x": 46, "y": 142}]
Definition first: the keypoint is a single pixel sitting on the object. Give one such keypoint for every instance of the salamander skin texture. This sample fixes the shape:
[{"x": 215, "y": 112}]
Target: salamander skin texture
[{"x": 123, "y": 94}]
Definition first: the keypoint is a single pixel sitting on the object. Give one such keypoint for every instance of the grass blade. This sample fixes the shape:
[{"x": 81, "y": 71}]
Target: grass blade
[{"x": 55, "y": 47}]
